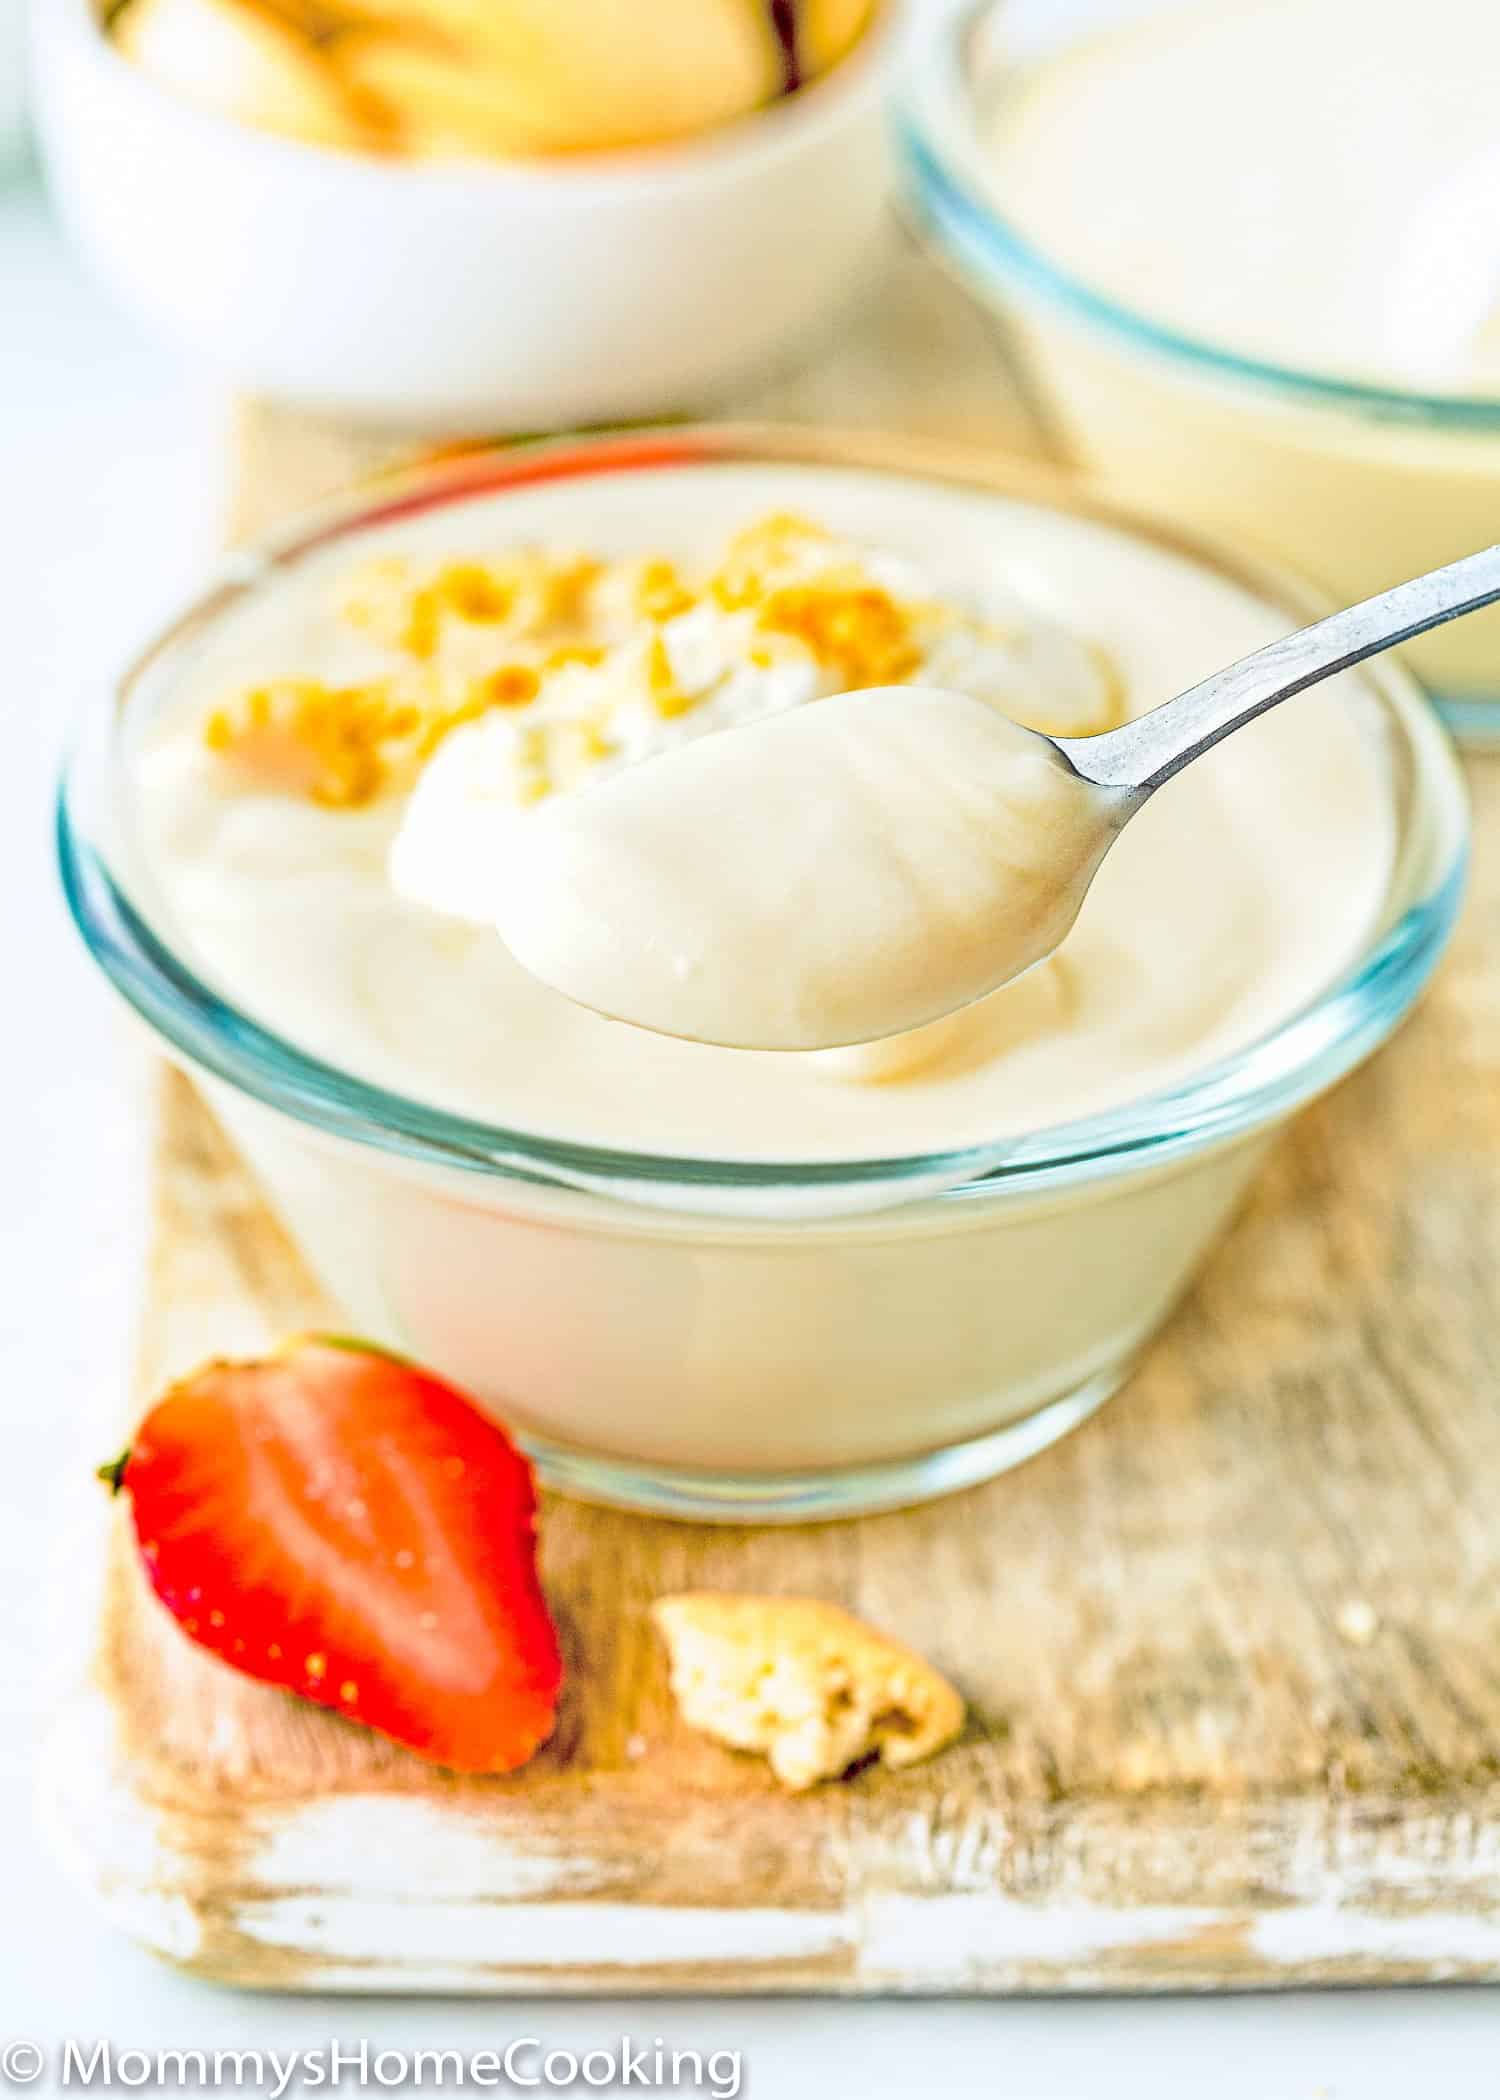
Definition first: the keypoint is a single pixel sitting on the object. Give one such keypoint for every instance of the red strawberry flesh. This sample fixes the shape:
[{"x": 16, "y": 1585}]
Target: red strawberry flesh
[{"x": 341, "y": 1524}]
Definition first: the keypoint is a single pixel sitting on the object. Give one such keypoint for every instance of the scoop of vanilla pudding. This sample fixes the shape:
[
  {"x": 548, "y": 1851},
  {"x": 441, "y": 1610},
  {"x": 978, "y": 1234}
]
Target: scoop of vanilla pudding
[
  {"x": 318, "y": 803},
  {"x": 929, "y": 850}
]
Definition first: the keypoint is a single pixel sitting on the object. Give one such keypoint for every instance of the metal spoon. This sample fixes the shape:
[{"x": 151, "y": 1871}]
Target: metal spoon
[
  {"x": 856, "y": 869},
  {"x": 1137, "y": 758}
]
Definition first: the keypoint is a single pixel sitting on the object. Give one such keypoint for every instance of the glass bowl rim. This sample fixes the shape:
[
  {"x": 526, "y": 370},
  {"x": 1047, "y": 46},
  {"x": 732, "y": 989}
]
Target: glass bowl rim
[
  {"x": 1261, "y": 1083},
  {"x": 938, "y": 145}
]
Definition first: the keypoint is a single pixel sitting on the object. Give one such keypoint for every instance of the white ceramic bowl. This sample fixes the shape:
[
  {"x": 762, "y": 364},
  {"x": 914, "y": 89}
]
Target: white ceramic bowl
[{"x": 491, "y": 295}]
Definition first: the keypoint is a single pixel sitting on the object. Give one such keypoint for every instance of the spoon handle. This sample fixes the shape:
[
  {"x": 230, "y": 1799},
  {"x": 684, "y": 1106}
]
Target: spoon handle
[{"x": 1140, "y": 756}]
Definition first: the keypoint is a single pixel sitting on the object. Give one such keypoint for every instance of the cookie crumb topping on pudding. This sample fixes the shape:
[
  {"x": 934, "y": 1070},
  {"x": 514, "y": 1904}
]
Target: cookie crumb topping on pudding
[
  {"x": 560, "y": 666},
  {"x": 806, "y": 1684},
  {"x": 329, "y": 743},
  {"x": 345, "y": 855}
]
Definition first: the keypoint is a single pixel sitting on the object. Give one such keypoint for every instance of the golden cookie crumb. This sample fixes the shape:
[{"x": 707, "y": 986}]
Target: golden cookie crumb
[
  {"x": 475, "y": 593},
  {"x": 774, "y": 548},
  {"x": 513, "y": 685},
  {"x": 806, "y": 1684},
  {"x": 379, "y": 598},
  {"x": 298, "y": 737},
  {"x": 667, "y": 696},
  {"x": 526, "y": 594},
  {"x": 660, "y": 593},
  {"x": 586, "y": 654},
  {"x": 853, "y": 628},
  {"x": 593, "y": 651},
  {"x": 560, "y": 587}
]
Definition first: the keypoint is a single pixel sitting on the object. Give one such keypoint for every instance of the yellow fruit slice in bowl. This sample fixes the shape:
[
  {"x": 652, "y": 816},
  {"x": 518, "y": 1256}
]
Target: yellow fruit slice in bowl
[
  {"x": 248, "y": 63},
  {"x": 552, "y": 76}
]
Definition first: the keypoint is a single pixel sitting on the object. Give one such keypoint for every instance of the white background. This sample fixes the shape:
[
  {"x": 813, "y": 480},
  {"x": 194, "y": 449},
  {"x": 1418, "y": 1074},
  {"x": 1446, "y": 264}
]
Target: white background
[{"x": 108, "y": 502}]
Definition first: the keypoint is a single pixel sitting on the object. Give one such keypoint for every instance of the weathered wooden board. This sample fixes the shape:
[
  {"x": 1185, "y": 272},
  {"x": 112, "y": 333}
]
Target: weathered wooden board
[{"x": 1233, "y": 1650}]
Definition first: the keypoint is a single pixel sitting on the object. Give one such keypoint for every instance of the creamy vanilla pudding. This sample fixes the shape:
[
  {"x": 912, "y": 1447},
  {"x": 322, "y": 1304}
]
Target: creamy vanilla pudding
[
  {"x": 1253, "y": 247},
  {"x": 364, "y": 929},
  {"x": 737, "y": 1281},
  {"x": 942, "y": 852},
  {"x": 1343, "y": 209}
]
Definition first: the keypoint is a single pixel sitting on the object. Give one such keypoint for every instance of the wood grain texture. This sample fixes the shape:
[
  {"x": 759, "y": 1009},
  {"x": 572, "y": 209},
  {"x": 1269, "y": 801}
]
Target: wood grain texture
[{"x": 1188, "y": 1764}]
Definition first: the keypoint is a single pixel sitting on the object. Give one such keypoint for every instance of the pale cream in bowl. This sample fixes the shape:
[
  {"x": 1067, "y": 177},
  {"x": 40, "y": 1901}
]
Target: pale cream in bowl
[
  {"x": 1250, "y": 255},
  {"x": 737, "y": 1281}
]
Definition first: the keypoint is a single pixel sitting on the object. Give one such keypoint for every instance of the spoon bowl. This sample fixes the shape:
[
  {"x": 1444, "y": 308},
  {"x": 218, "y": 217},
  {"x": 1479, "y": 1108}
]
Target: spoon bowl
[
  {"x": 867, "y": 864},
  {"x": 840, "y": 873}
]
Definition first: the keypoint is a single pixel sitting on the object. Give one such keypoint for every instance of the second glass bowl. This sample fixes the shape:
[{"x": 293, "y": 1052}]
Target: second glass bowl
[{"x": 1359, "y": 486}]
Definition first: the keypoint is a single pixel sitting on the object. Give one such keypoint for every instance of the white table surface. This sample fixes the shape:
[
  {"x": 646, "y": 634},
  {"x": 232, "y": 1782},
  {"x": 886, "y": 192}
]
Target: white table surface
[{"x": 107, "y": 503}]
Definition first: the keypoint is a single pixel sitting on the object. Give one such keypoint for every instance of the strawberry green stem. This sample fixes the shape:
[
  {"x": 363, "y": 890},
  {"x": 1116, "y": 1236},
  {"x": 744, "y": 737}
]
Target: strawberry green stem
[{"x": 113, "y": 1473}]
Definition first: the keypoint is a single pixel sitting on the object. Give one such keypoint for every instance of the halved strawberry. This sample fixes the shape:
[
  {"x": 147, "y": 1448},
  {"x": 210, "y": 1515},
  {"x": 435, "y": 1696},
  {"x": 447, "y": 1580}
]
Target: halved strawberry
[{"x": 337, "y": 1522}]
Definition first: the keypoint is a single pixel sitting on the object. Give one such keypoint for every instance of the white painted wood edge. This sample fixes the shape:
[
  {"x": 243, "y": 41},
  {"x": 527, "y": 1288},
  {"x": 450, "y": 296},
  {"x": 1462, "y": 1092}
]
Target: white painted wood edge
[{"x": 320, "y": 1898}]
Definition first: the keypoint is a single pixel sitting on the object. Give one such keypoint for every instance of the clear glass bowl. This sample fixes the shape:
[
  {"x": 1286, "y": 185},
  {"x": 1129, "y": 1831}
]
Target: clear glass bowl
[
  {"x": 731, "y": 1340},
  {"x": 1356, "y": 485}
]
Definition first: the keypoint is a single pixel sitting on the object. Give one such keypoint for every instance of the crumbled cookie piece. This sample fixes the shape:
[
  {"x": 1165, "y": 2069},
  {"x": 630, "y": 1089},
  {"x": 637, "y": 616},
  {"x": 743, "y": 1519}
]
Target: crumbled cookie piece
[
  {"x": 606, "y": 657},
  {"x": 809, "y": 1686},
  {"x": 854, "y": 629},
  {"x": 299, "y": 737}
]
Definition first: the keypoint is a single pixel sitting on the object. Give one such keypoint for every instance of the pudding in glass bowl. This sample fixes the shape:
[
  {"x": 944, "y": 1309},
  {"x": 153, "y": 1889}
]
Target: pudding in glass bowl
[
  {"x": 725, "y": 1282},
  {"x": 1248, "y": 254}
]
